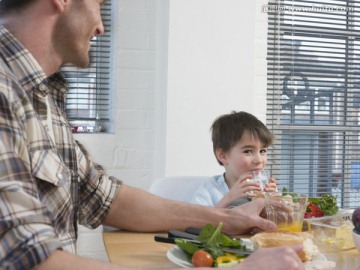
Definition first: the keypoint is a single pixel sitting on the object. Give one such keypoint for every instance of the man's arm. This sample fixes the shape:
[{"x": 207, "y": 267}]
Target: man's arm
[
  {"x": 279, "y": 258},
  {"x": 137, "y": 210}
]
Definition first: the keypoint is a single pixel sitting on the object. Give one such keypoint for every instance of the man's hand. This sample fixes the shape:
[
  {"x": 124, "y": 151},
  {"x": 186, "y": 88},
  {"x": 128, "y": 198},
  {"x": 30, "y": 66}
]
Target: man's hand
[
  {"x": 279, "y": 258},
  {"x": 246, "y": 218}
]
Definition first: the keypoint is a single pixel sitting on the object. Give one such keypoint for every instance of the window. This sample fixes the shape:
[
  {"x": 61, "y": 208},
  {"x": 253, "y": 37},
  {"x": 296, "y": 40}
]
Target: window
[
  {"x": 313, "y": 92},
  {"x": 88, "y": 99}
]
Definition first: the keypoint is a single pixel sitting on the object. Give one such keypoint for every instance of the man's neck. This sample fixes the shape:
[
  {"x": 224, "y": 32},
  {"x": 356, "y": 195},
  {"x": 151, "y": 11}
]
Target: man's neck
[{"x": 36, "y": 37}]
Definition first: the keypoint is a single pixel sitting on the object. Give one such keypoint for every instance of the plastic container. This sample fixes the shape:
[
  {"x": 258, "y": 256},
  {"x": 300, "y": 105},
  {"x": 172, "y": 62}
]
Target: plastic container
[{"x": 332, "y": 233}]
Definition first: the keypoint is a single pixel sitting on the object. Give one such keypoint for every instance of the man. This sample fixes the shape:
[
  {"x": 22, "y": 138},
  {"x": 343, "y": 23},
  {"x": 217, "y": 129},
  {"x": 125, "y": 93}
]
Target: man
[{"x": 48, "y": 183}]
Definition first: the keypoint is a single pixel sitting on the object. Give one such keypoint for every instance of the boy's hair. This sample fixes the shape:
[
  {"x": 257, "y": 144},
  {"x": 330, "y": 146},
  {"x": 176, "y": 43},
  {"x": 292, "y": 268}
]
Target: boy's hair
[{"x": 228, "y": 129}]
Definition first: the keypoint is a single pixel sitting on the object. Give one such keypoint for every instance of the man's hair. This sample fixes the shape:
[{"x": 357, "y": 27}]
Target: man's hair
[
  {"x": 10, "y": 5},
  {"x": 229, "y": 129}
]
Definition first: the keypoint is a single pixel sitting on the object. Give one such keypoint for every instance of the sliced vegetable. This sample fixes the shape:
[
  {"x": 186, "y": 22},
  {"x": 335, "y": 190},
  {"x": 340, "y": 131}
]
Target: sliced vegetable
[
  {"x": 228, "y": 260},
  {"x": 313, "y": 211}
]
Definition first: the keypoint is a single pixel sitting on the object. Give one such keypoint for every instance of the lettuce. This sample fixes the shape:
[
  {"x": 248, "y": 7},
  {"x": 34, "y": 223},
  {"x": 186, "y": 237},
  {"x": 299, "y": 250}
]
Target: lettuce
[{"x": 327, "y": 204}]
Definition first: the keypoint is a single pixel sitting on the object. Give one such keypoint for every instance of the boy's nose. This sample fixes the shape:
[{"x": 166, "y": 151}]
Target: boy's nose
[{"x": 257, "y": 158}]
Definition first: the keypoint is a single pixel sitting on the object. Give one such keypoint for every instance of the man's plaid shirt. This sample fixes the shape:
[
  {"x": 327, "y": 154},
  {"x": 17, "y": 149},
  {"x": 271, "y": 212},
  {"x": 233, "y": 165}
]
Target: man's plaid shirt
[{"x": 46, "y": 186}]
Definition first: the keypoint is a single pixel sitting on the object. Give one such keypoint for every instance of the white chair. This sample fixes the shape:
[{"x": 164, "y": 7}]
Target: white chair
[{"x": 178, "y": 188}]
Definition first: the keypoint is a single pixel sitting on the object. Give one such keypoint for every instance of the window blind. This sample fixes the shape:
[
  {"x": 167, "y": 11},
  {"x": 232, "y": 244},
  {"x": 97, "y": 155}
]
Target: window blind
[
  {"x": 88, "y": 98},
  {"x": 313, "y": 97}
]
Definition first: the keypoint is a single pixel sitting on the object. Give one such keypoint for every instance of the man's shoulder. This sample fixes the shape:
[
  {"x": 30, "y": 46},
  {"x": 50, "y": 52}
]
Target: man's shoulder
[
  {"x": 10, "y": 87},
  {"x": 4, "y": 68}
]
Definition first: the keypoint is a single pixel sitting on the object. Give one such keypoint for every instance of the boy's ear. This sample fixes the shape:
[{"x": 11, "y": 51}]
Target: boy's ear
[{"x": 221, "y": 155}]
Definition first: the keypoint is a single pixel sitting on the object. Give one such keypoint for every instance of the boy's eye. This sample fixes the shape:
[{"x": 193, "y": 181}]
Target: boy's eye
[
  {"x": 248, "y": 151},
  {"x": 263, "y": 151}
]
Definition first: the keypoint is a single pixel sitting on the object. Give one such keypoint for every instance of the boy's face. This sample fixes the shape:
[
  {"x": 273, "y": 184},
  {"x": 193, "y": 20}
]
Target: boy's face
[{"x": 246, "y": 155}]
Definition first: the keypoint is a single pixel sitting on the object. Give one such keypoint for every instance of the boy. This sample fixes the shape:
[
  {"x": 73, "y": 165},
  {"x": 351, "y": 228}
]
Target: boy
[{"x": 240, "y": 144}]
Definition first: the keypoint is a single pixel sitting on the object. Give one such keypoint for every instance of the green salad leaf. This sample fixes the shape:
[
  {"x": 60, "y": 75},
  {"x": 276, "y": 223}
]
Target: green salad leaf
[
  {"x": 327, "y": 204},
  {"x": 187, "y": 246},
  {"x": 213, "y": 239}
]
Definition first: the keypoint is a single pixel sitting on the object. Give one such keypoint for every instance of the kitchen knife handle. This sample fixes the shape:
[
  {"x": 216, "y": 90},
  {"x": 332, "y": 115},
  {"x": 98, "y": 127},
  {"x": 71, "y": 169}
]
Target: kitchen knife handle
[
  {"x": 193, "y": 230},
  {"x": 164, "y": 239},
  {"x": 181, "y": 234}
]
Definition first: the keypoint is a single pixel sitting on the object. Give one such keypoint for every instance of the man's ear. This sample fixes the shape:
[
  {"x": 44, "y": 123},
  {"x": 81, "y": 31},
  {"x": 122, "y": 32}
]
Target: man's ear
[
  {"x": 221, "y": 155},
  {"x": 61, "y": 4}
]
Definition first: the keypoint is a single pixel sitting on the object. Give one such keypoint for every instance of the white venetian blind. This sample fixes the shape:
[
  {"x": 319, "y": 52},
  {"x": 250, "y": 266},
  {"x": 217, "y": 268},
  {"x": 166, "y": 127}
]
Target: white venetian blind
[
  {"x": 313, "y": 96},
  {"x": 88, "y": 99}
]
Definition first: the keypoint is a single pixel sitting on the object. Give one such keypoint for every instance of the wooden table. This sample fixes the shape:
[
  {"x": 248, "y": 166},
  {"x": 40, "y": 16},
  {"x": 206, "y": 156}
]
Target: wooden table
[
  {"x": 140, "y": 250},
  {"x": 137, "y": 250}
]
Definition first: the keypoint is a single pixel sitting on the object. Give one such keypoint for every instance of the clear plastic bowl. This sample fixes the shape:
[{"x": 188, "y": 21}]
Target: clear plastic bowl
[{"x": 332, "y": 233}]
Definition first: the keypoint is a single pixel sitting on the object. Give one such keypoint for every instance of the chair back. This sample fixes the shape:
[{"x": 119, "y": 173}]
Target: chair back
[{"x": 178, "y": 188}]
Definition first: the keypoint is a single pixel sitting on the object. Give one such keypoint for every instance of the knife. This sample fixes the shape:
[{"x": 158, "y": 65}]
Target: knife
[
  {"x": 181, "y": 234},
  {"x": 191, "y": 233},
  {"x": 172, "y": 234},
  {"x": 171, "y": 240},
  {"x": 193, "y": 230}
]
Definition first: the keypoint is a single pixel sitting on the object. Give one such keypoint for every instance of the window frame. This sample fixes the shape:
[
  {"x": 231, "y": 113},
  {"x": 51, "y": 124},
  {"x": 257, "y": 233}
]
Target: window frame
[
  {"x": 294, "y": 126},
  {"x": 88, "y": 105}
]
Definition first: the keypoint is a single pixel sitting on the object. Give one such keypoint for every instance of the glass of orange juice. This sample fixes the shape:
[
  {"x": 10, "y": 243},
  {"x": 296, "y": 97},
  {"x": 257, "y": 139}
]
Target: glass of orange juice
[{"x": 286, "y": 211}]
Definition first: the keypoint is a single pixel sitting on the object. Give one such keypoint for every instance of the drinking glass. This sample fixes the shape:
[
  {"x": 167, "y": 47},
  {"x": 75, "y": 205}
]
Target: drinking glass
[
  {"x": 258, "y": 176},
  {"x": 286, "y": 211}
]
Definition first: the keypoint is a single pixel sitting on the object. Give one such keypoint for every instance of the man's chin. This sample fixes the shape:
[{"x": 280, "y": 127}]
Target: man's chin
[
  {"x": 80, "y": 60},
  {"x": 84, "y": 64},
  {"x": 81, "y": 64}
]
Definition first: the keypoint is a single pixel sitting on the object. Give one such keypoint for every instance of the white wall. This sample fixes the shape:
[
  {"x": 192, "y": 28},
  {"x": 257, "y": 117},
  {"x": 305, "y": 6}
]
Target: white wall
[
  {"x": 170, "y": 85},
  {"x": 165, "y": 99},
  {"x": 138, "y": 59},
  {"x": 128, "y": 152},
  {"x": 211, "y": 62}
]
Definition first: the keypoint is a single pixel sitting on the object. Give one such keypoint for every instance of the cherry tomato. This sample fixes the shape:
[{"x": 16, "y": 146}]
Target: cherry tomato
[{"x": 202, "y": 258}]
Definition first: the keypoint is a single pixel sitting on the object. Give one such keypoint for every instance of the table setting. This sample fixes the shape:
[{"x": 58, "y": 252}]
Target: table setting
[{"x": 288, "y": 210}]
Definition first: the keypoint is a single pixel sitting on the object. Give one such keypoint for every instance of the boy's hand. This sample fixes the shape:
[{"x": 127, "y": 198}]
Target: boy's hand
[
  {"x": 271, "y": 186},
  {"x": 241, "y": 189}
]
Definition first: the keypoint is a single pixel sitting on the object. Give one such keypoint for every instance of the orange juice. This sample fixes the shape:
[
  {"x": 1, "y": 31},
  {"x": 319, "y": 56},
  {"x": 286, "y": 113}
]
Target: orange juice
[
  {"x": 287, "y": 211},
  {"x": 292, "y": 227}
]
